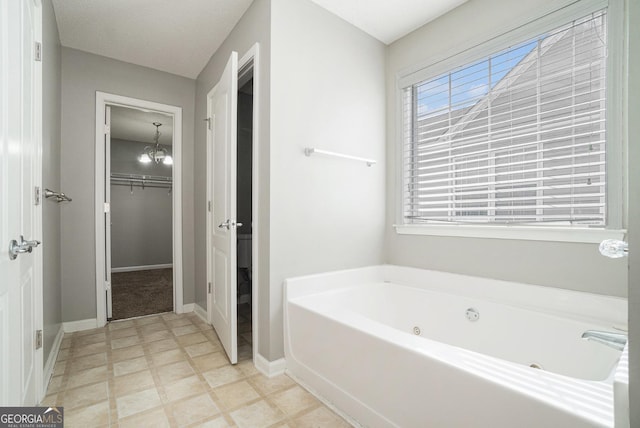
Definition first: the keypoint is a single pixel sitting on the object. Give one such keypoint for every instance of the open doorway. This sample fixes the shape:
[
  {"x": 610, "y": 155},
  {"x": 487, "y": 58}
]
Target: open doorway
[
  {"x": 134, "y": 180},
  {"x": 244, "y": 212},
  {"x": 141, "y": 185}
]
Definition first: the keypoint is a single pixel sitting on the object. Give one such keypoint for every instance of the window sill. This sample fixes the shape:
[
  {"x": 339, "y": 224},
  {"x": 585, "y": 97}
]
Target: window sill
[{"x": 529, "y": 233}]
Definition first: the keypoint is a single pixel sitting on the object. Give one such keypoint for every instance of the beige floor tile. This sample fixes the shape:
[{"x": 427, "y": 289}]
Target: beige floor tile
[
  {"x": 87, "y": 362},
  {"x": 125, "y": 332},
  {"x": 170, "y": 356},
  {"x": 150, "y": 419},
  {"x": 186, "y": 329},
  {"x": 148, "y": 320},
  {"x": 130, "y": 366},
  {"x": 186, "y": 387},
  {"x": 191, "y": 338},
  {"x": 268, "y": 385},
  {"x": 198, "y": 349},
  {"x": 132, "y": 382},
  {"x": 320, "y": 417},
  {"x": 222, "y": 375},
  {"x": 257, "y": 415},
  {"x": 127, "y": 353},
  {"x": 86, "y": 395},
  {"x": 64, "y": 354},
  {"x": 170, "y": 316},
  {"x": 137, "y": 402},
  {"x": 162, "y": 345},
  {"x": 194, "y": 409},
  {"x": 156, "y": 335},
  {"x": 50, "y": 400},
  {"x": 247, "y": 368},
  {"x": 175, "y": 371},
  {"x": 117, "y": 325},
  {"x": 60, "y": 368},
  {"x": 179, "y": 322},
  {"x": 235, "y": 394},
  {"x": 210, "y": 361},
  {"x": 90, "y": 416},
  {"x": 94, "y": 348},
  {"x": 90, "y": 339},
  {"x": 219, "y": 422},
  {"x": 150, "y": 328},
  {"x": 86, "y": 377},
  {"x": 77, "y": 334},
  {"x": 66, "y": 341},
  {"x": 293, "y": 400},
  {"x": 124, "y": 342}
]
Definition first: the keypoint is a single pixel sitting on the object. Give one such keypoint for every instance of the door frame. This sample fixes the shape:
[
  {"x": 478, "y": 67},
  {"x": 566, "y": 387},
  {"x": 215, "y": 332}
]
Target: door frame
[
  {"x": 251, "y": 56},
  {"x": 102, "y": 100}
]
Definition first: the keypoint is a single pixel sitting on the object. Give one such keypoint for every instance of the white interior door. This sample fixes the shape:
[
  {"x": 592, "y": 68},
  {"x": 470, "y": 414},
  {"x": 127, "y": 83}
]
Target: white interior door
[
  {"x": 223, "y": 112},
  {"x": 20, "y": 163},
  {"x": 107, "y": 210}
]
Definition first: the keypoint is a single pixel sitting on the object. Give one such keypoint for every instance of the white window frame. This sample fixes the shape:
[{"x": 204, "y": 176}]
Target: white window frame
[{"x": 616, "y": 146}]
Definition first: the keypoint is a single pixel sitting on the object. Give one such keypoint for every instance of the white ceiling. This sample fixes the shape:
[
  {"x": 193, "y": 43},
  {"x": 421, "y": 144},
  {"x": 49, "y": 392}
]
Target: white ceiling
[
  {"x": 137, "y": 125},
  {"x": 179, "y": 36},
  {"x": 388, "y": 20},
  {"x": 176, "y": 36}
]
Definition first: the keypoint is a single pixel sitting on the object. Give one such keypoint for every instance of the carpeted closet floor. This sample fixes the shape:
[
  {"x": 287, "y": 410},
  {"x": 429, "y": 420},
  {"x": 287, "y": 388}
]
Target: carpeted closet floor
[{"x": 139, "y": 293}]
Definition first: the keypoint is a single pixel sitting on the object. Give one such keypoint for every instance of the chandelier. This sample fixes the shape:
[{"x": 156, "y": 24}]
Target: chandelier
[{"x": 155, "y": 153}]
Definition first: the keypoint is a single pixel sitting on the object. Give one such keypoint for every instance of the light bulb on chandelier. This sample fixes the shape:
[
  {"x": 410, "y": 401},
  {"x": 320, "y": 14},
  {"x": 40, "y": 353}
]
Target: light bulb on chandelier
[{"x": 156, "y": 153}]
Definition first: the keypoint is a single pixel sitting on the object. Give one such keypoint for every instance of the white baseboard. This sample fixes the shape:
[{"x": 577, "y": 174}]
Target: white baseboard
[
  {"x": 187, "y": 307},
  {"x": 137, "y": 268},
  {"x": 202, "y": 313},
  {"x": 51, "y": 360},
  {"x": 269, "y": 368},
  {"x": 71, "y": 326}
]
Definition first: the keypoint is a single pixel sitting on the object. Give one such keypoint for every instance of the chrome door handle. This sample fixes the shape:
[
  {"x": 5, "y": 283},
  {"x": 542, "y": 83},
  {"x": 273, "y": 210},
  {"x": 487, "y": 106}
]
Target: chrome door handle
[
  {"x": 21, "y": 247},
  {"x": 229, "y": 224}
]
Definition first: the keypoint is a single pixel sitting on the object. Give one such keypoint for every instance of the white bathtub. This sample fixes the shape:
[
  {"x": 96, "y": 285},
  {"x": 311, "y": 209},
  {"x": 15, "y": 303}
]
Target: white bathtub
[{"x": 390, "y": 346}]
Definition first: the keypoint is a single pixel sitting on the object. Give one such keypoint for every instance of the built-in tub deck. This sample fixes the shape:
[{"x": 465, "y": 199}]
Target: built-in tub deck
[{"x": 393, "y": 346}]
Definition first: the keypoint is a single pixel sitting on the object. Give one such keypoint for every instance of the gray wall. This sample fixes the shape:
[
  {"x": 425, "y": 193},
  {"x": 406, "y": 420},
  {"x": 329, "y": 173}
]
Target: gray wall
[
  {"x": 253, "y": 27},
  {"x": 632, "y": 90},
  {"x": 327, "y": 91},
  {"x": 564, "y": 265},
  {"x": 82, "y": 75},
  {"x": 141, "y": 219},
  {"x": 52, "y": 285}
]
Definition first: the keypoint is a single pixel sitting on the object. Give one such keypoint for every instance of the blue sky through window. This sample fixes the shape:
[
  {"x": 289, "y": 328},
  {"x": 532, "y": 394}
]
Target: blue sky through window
[{"x": 469, "y": 83}]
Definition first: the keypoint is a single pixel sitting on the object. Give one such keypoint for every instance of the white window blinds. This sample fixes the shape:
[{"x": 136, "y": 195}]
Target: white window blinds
[{"x": 517, "y": 137}]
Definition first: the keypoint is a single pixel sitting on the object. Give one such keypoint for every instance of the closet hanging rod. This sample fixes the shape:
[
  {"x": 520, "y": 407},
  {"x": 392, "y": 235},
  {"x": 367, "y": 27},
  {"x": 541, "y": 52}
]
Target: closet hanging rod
[
  {"x": 139, "y": 182},
  {"x": 308, "y": 151},
  {"x": 144, "y": 185},
  {"x": 139, "y": 177}
]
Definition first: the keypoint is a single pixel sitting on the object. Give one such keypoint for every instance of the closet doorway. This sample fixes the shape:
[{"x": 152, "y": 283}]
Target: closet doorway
[
  {"x": 141, "y": 184},
  {"x": 138, "y": 208}
]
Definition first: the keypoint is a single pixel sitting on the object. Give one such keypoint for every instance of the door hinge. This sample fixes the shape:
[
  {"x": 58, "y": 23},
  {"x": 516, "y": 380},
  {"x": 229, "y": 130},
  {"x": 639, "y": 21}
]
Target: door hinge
[
  {"x": 209, "y": 288},
  {"x": 208, "y": 120},
  {"x": 107, "y": 207},
  {"x": 38, "y": 339},
  {"x": 107, "y": 128},
  {"x": 209, "y": 206},
  {"x": 36, "y": 195},
  {"x": 38, "y": 52},
  {"x": 107, "y": 285}
]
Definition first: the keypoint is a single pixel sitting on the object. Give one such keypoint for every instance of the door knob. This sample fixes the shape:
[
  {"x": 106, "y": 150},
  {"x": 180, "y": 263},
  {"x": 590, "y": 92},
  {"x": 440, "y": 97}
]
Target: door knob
[
  {"x": 23, "y": 246},
  {"x": 229, "y": 224}
]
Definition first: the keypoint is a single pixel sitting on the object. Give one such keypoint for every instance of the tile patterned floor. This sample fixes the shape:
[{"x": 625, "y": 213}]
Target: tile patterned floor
[{"x": 170, "y": 370}]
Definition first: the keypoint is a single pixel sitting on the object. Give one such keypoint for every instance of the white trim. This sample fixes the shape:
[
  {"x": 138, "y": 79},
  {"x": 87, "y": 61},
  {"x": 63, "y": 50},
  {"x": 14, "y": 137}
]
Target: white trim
[
  {"x": 102, "y": 100},
  {"x": 531, "y": 233},
  {"x": 139, "y": 268},
  {"x": 200, "y": 312},
  {"x": 80, "y": 325},
  {"x": 51, "y": 361},
  {"x": 269, "y": 368},
  {"x": 187, "y": 307},
  {"x": 253, "y": 54}
]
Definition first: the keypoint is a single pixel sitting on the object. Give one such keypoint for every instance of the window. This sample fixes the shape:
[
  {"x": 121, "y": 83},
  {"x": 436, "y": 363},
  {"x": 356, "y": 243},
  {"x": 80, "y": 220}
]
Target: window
[{"x": 517, "y": 137}]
